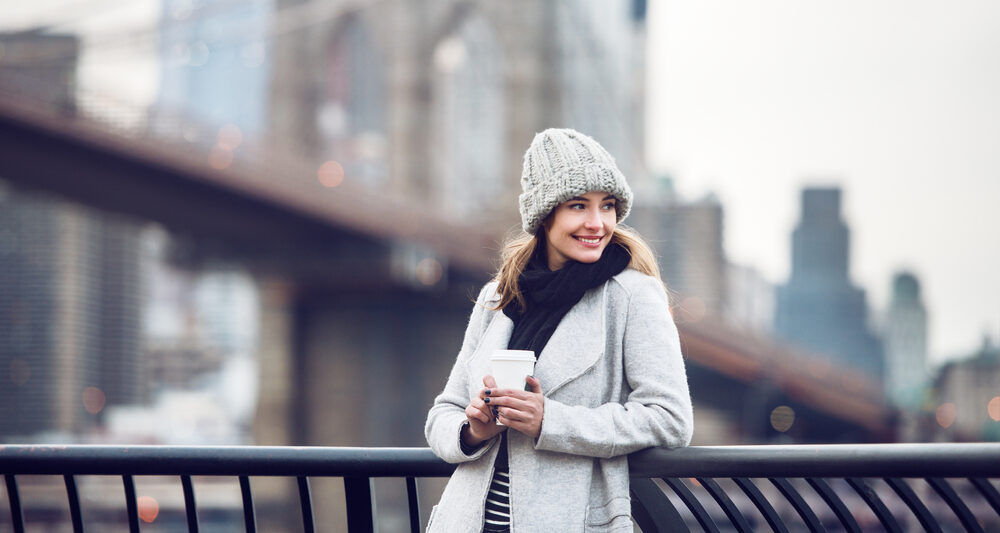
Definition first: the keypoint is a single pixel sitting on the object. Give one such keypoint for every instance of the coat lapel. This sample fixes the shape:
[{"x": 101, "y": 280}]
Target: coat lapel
[{"x": 576, "y": 345}]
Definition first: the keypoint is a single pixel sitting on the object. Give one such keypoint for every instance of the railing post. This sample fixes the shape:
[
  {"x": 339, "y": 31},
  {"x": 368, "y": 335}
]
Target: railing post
[
  {"x": 73, "y": 495},
  {"x": 16, "y": 515},
  {"x": 249, "y": 515},
  {"x": 131, "y": 504},
  {"x": 359, "y": 494},
  {"x": 414, "y": 501},
  {"x": 652, "y": 510},
  {"x": 305, "y": 501},
  {"x": 190, "y": 507}
]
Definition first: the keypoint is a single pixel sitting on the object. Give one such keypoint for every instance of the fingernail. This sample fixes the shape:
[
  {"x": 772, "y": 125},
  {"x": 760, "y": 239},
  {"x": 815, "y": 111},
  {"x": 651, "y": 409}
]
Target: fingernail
[
  {"x": 487, "y": 392},
  {"x": 496, "y": 411},
  {"x": 487, "y": 400}
]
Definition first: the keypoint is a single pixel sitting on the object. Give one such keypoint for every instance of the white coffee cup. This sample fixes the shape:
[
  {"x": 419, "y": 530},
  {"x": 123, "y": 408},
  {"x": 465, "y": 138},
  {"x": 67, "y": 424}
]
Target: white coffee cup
[{"x": 510, "y": 367}]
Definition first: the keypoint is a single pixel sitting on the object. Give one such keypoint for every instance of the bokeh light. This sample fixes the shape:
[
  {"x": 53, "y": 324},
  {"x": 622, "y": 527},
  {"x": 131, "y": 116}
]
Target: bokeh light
[
  {"x": 200, "y": 53},
  {"x": 450, "y": 55},
  {"x": 220, "y": 158},
  {"x": 429, "y": 271},
  {"x": 331, "y": 174},
  {"x": 945, "y": 414},
  {"x": 149, "y": 508},
  {"x": 229, "y": 137},
  {"x": 94, "y": 400},
  {"x": 782, "y": 418},
  {"x": 20, "y": 371},
  {"x": 993, "y": 408}
]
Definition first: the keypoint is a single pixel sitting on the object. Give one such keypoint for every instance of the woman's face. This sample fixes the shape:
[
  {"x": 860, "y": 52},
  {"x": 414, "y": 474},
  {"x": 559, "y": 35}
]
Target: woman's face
[{"x": 580, "y": 228}]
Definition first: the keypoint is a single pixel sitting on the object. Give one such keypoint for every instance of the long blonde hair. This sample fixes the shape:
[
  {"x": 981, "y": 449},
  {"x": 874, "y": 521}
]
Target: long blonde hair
[{"x": 517, "y": 251}]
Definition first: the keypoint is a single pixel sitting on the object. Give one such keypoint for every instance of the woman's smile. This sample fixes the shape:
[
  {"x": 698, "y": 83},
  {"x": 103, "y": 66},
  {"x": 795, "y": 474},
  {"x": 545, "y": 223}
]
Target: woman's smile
[{"x": 590, "y": 241}]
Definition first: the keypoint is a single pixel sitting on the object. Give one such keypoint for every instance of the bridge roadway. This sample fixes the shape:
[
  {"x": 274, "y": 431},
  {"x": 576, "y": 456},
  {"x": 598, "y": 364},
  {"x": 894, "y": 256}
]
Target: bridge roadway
[{"x": 277, "y": 205}]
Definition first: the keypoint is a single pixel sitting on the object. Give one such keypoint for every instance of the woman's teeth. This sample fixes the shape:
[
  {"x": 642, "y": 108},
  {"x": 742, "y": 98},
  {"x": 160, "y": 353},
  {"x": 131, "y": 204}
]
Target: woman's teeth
[{"x": 589, "y": 241}]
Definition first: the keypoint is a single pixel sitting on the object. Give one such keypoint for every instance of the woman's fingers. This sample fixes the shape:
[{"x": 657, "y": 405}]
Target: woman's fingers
[
  {"x": 518, "y": 409},
  {"x": 474, "y": 413},
  {"x": 534, "y": 385}
]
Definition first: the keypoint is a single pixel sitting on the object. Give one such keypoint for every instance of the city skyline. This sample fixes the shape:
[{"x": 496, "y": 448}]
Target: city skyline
[
  {"x": 894, "y": 102},
  {"x": 765, "y": 100}
]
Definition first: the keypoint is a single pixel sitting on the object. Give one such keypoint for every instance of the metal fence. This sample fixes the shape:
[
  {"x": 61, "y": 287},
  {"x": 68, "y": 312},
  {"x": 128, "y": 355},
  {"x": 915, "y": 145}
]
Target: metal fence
[{"x": 890, "y": 487}]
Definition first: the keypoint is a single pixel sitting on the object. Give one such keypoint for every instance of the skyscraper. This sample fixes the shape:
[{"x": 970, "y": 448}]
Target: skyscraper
[
  {"x": 69, "y": 315},
  {"x": 905, "y": 341},
  {"x": 69, "y": 280},
  {"x": 819, "y": 308},
  {"x": 687, "y": 237}
]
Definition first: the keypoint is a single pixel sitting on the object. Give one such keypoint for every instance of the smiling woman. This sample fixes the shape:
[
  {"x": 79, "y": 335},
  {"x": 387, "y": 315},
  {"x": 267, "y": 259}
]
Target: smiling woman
[{"x": 552, "y": 455}]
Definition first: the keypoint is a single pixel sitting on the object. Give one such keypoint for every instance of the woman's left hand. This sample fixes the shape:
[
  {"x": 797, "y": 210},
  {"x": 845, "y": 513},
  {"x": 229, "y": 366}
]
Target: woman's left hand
[{"x": 521, "y": 410}]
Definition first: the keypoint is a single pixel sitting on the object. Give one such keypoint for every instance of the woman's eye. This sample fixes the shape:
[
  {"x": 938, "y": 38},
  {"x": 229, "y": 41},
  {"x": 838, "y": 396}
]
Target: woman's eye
[
  {"x": 575, "y": 206},
  {"x": 608, "y": 207}
]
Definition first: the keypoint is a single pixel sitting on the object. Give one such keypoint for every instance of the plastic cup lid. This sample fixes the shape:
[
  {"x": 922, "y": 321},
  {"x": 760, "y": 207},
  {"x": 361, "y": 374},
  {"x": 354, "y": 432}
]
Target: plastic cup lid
[{"x": 513, "y": 355}]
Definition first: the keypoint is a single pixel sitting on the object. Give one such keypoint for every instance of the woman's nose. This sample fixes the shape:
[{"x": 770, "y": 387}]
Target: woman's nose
[{"x": 592, "y": 220}]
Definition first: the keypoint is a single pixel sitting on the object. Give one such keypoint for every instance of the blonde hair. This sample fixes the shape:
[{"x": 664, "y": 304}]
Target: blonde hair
[{"x": 517, "y": 251}]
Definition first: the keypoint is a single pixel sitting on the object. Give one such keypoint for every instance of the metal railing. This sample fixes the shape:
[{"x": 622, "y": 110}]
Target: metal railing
[{"x": 891, "y": 487}]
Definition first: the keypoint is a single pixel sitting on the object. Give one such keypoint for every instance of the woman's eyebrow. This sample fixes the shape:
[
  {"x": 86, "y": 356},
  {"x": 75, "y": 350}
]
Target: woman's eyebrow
[{"x": 582, "y": 199}]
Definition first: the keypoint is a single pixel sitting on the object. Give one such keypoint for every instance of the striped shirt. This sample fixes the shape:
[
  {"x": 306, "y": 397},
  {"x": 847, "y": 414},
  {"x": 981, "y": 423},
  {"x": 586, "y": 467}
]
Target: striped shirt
[{"x": 498, "y": 504}]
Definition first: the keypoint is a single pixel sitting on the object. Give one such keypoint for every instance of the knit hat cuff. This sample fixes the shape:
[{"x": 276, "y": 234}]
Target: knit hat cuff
[{"x": 536, "y": 203}]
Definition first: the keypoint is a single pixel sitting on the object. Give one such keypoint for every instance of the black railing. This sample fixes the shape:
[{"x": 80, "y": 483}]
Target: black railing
[{"x": 893, "y": 487}]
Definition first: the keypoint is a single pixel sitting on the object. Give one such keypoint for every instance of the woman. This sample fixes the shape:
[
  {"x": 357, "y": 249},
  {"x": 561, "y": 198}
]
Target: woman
[{"x": 584, "y": 294}]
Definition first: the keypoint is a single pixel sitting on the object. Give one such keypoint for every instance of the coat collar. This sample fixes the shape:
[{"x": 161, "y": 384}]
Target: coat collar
[{"x": 575, "y": 346}]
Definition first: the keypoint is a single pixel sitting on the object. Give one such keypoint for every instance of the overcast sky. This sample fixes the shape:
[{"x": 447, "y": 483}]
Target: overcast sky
[{"x": 897, "y": 102}]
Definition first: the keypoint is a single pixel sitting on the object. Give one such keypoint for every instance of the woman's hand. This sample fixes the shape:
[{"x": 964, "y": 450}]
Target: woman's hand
[
  {"x": 482, "y": 426},
  {"x": 521, "y": 410}
]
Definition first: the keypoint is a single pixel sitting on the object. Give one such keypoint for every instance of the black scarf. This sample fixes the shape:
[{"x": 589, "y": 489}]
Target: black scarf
[{"x": 550, "y": 294}]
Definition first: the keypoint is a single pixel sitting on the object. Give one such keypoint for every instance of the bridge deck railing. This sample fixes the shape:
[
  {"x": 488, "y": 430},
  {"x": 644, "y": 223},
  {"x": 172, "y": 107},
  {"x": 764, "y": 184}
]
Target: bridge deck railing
[{"x": 865, "y": 487}]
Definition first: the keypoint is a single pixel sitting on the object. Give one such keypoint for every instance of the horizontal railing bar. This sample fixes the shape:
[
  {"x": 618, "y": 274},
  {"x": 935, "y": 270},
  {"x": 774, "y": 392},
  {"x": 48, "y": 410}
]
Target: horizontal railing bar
[
  {"x": 833, "y": 460},
  {"x": 821, "y": 460},
  {"x": 222, "y": 460}
]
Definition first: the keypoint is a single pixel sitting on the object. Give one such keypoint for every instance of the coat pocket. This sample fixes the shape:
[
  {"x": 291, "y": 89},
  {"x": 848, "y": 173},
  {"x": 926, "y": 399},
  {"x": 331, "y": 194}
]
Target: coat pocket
[{"x": 611, "y": 516}]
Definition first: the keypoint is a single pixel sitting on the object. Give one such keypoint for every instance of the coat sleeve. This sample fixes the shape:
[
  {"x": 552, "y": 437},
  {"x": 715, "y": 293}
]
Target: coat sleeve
[
  {"x": 447, "y": 415},
  {"x": 657, "y": 410}
]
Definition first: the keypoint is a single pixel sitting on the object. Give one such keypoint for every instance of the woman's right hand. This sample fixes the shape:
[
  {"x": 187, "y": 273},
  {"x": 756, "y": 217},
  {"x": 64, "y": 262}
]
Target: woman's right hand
[{"x": 482, "y": 425}]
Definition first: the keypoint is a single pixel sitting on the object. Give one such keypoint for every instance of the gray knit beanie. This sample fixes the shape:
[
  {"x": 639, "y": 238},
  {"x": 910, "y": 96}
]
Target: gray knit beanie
[{"x": 561, "y": 164}]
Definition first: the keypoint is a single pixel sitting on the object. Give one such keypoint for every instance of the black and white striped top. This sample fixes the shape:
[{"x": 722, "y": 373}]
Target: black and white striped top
[{"x": 498, "y": 504}]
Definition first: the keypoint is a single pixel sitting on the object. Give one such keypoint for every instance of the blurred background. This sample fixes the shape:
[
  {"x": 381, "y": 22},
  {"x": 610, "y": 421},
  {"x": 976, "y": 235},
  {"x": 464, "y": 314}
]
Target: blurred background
[{"x": 264, "y": 221}]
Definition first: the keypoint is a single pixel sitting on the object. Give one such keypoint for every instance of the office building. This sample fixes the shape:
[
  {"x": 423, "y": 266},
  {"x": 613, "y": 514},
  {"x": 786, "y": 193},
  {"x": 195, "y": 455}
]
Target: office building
[{"x": 819, "y": 308}]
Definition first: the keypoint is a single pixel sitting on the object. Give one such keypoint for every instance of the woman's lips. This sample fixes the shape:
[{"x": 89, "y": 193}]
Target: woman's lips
[{"x": 589, "y": 241}]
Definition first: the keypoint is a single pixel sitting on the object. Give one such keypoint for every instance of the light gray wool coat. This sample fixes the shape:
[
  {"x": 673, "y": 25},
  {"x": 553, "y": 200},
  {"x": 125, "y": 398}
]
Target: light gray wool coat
[{"x": 614, "y": 382}]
